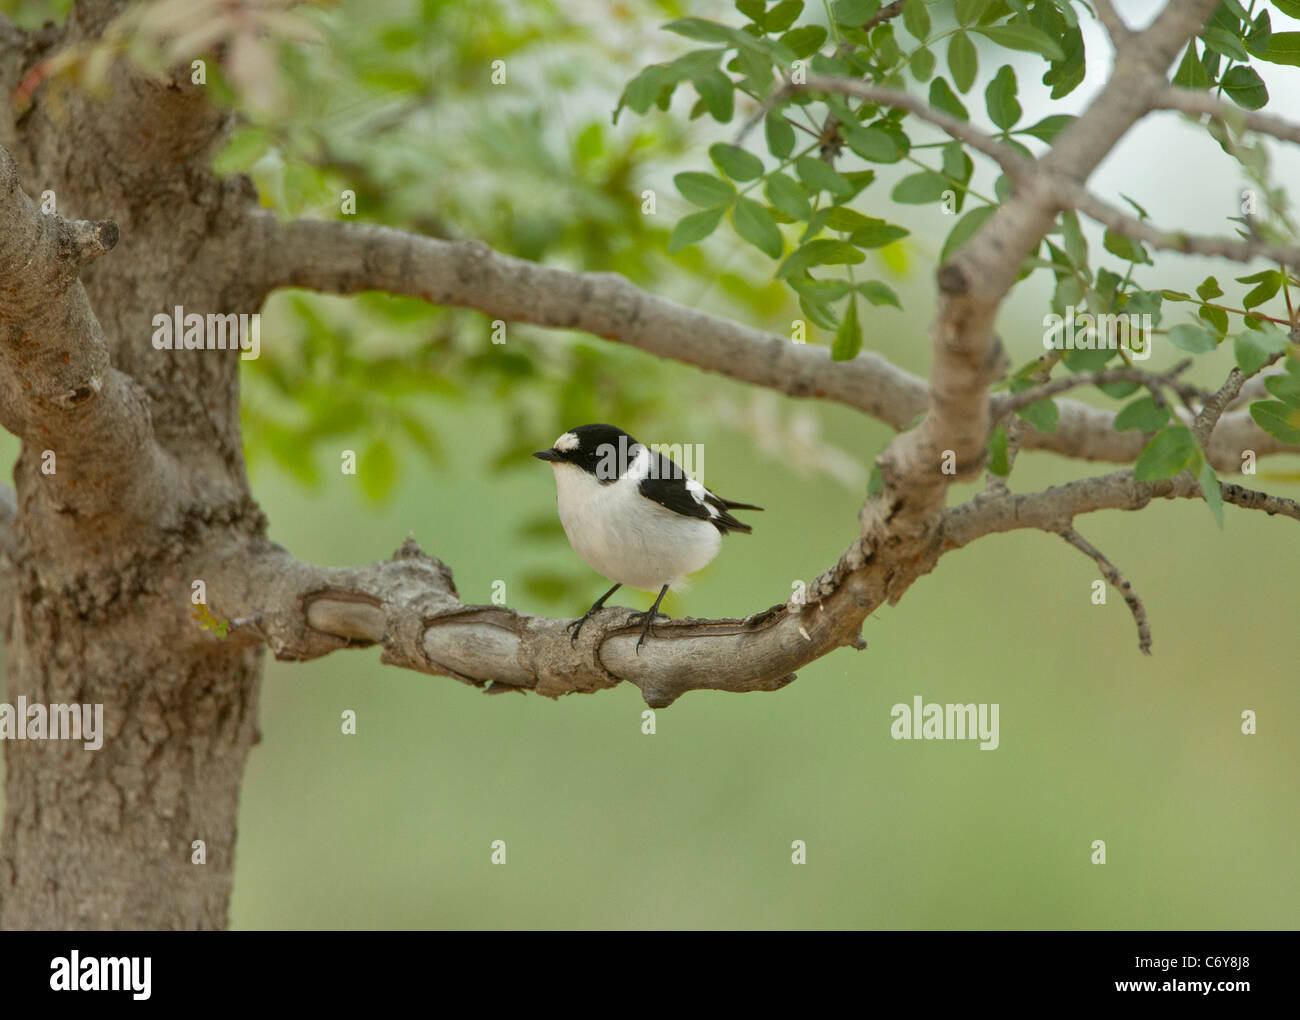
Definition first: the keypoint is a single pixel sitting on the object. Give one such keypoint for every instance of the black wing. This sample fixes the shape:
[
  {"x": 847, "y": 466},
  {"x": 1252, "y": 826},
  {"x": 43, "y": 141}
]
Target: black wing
[{"x": 669, "y": 486}]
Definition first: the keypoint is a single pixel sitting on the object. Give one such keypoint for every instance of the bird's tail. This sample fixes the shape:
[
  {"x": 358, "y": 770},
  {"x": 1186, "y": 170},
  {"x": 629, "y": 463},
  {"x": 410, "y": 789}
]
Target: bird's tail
[{"x": 730, "y": 505}]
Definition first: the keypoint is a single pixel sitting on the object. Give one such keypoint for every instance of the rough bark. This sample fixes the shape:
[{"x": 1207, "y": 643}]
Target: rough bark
[{"x": 148, "y": 479}]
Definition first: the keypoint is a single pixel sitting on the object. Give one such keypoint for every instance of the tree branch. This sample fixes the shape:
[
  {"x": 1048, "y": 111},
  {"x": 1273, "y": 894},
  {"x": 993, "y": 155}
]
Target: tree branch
[
  {"x": 1190, "y": 101},
  {"x": 346, "y": 258},
  {"x": 1237, "y": 250},
  {"x": 1117, "y": 581},
  {"x": 1011, "y": 161},
  {"x": 87, "y": 423},
  {"x": 975, "y": 281},
  {"x": 409, "y": 605},
  {"x": 1115, "y": 27}
]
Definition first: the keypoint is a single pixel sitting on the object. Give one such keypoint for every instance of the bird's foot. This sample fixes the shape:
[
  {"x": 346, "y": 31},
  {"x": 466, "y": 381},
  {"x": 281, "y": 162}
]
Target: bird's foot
[
  {"x": 647, "y": 620},
  {"x": 576, "y": 625}
]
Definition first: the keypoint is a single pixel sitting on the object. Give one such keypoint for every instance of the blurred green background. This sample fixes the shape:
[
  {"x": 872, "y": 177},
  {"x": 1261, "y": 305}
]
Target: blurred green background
[{"x": 692, "y": 826}]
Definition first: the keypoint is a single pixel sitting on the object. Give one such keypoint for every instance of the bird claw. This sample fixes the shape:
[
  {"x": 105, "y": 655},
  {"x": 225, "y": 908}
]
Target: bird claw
[
  {"x": 648, "y": 628},
  {"x": 575, "y": 626}
]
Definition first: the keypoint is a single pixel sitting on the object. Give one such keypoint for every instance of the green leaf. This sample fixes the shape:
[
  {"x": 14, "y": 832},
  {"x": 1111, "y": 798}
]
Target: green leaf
[
  {"x": 780, "y": 135},
  {"x": 642, "y": 91},
  {"x": 916, "y": 19},
  {"x": 1193, "y": 339},
  {"x": 694, "y": 228},
  {"x": 718, "y": 93},
  {"x": 964, "y": 230},
  {"x": 1142, "y": 415},
  {"x": 1283, "y": 48},
  {"x": 1255, "y": 348},
  {"x": 875, "y": 481},
  {"x": 1171, "y": 450},
  {"x": 782, "y": 16},
  {"x": 1216, "y": 317},
  {"x": 1277, "y": 419},
  {"x": 755, "y": 225},
  {"x": 999, "y": 464},
  {"x": 816, "y": 174},
  {"x": 1288, "y": 7},
  {"x": 703, "y": 31},
  {"x": 1125, "y": 248},
  {"x": 878, "y": 294},
  {"x": 821, "y": 252},
  {"x": 377, "y": 470},
  {"x": 1049, "y": 127},
  {"x": 957, "y": 168},
  {"x": 1260, "y": 35},
  {"x": 876, "y": 234},
  {"x": 1222, "y": 41},
  {"x": 916, "y": 189},
  {"x": 1068, "y": 74},
  {"x": 1268, "y": 283},
  {"x": 922, "y": 64},
  {"x": 1075, "y": 245},
  {"x": 968, "y": 11},
  {"x": 1191, "y": 72},
  {"x": 872, "y": 144},
  {"x": 1000, "y": 98},
  {"x": 804, "y": 41},
  {"x": 735, "y": 162},
  {"x": 1209, "y": 288},
  {"x": 1042, "y": 414},
  {"x": 1210, "y": 487},
  {"x": 785, "y": 194},
  {"x": 1245, "y": 87},
  {"x": 1024, "y": 37},
  {"x": 1286, "y": 386},
  {"x": 704, "y": 189},
  {"x": 942, "y": 97},
  {"x": 854, "y": 12},
  {"x": 848, "y": 338},
  {"x": 963, "y": 63}
]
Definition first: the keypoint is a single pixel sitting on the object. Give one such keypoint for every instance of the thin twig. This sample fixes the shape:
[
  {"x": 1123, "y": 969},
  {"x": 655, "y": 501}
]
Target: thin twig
[
  {"x": 1117, "y": 581},
  {"x": 1008, "y": 402}
]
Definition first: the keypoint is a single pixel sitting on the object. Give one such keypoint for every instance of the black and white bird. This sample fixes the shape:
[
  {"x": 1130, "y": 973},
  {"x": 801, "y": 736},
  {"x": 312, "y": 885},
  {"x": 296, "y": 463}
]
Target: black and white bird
[{"x": 634, "y": 515}]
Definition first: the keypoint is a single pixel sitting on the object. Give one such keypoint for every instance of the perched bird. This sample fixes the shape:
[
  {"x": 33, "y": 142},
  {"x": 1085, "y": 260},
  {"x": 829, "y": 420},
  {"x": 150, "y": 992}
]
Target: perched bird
[{"x": 634, "y": 515}]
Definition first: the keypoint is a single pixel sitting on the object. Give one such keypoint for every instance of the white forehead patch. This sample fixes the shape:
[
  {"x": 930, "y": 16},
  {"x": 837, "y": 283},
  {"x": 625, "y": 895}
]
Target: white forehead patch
[{"x": 566, "y": 442}]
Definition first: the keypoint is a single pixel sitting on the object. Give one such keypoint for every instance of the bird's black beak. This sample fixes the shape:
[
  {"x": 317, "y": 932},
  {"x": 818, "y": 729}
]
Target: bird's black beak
[{"x": 548, "y": 455}]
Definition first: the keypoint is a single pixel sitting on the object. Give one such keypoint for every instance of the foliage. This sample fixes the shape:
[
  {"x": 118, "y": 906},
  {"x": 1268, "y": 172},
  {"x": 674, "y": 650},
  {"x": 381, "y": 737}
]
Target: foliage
[{"x": 797, "y": 194}]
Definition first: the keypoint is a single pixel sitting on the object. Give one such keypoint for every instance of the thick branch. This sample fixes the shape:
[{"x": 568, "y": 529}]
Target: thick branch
[
  {"x": 346, "y": 258},
  {"x": 410, "y": 606},
  {"x": 87, "y": 423}
]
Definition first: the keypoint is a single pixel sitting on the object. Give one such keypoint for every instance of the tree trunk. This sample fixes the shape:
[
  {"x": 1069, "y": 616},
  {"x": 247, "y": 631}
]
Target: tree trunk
[{"x": 101, "y": 570}]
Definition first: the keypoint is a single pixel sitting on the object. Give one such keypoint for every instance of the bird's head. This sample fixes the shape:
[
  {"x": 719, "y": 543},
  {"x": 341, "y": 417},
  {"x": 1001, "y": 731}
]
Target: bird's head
[{"x": 602, "y": 451}]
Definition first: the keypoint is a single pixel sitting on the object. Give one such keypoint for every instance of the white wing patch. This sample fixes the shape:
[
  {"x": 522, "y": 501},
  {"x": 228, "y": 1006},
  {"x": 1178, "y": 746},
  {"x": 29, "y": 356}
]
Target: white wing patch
[
  {"x": 567, "y": 442},
  {"x": 698, "y": 491}
]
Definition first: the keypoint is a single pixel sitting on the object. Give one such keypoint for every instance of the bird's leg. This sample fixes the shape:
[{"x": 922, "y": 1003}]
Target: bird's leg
[
  {"x": 649, "y": 617},
  {"x": 596, "y": 607}
]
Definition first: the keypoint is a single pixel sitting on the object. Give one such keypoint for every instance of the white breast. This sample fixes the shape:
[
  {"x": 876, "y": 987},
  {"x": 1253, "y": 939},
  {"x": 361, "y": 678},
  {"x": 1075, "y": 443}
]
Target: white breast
[{"x": 626, "y": 537}]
